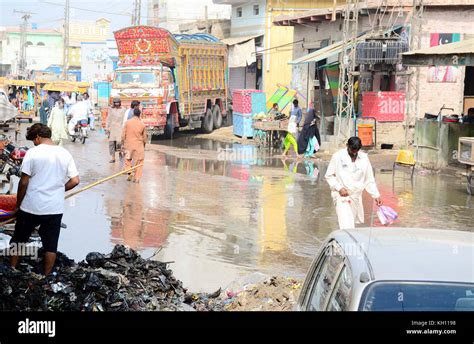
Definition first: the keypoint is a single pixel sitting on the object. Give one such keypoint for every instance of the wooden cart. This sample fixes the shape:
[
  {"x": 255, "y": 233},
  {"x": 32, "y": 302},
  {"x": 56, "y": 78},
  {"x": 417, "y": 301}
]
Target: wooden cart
[{"x": 264, "y": 132}]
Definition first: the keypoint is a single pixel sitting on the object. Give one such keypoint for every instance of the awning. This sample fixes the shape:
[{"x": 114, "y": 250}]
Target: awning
[
  {"x": 237, "y": 40},
  {"x": 334, "y": 48},
  {"x": 452, "y": 54}
]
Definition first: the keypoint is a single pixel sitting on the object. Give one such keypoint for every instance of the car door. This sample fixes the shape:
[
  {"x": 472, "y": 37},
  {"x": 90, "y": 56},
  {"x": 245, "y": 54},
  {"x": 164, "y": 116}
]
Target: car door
[
  {"x": 324, "y": 278},
  {"x": 341, "y": 295}
]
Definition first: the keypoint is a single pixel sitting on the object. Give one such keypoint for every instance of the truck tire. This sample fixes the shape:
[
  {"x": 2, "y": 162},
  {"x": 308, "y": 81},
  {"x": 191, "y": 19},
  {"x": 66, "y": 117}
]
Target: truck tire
[
  {"x": 30, "y": 120},
  {"x": 169, "y": 130},
  {"x": 207, "y": 122},
  {"x": 217, "y": 117}
]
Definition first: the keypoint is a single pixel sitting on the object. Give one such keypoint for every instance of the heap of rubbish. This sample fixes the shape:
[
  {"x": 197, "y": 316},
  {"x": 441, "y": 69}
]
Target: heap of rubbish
[
  {"x": 274, "y": 293},
  {"x": 119, "y": 281}
]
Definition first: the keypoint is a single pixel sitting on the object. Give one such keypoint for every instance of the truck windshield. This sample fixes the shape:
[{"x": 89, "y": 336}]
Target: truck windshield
[
  {"x": 418, "y": 296},
  {"x": 137, "y": 78}
]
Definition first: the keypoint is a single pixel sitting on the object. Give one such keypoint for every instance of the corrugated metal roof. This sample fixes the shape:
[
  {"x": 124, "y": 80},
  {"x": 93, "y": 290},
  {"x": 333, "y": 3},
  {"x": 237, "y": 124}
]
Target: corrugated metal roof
[
  {"x": 333, "y": 49},
  {"x": 197, "y": 37},
  {"x": 461, "y": 47}
]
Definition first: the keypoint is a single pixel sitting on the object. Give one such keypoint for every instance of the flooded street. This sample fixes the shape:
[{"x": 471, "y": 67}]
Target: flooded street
[{"x": 218, "y": 220}]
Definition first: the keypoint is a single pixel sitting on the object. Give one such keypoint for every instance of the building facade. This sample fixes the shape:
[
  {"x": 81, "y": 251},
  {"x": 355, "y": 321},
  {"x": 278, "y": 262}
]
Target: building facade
[
  {"x": 44, "y": 47},
  {"x": 246, "y": 43},
  {"x": 85, "y": 31},
  {"x": 169, "y": 14},
  {"x": 442, "y": 23}
]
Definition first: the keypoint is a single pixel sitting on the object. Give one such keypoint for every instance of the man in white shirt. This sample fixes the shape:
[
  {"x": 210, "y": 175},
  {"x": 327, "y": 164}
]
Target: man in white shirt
[
  {"x": 48, "y": 171},
  {"x": 350, "y": 173},
  {"x": 78, "y": 112},
  {"x": 129, "y": 113},
  {"x": 90, "y": 113}
]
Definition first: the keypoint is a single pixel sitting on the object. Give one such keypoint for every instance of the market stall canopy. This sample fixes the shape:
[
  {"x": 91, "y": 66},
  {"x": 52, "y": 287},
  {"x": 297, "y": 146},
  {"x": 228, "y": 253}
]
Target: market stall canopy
[
  {"x": 13, "y": 82},
  {"x": 452, "y": 54},
  {"x": 61, "y": 87}
]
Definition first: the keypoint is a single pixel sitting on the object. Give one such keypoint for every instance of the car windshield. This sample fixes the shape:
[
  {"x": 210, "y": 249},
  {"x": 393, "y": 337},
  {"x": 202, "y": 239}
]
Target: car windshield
[
  {"x": 418, "y": 296},
  {"x": 137, "y": 78}
]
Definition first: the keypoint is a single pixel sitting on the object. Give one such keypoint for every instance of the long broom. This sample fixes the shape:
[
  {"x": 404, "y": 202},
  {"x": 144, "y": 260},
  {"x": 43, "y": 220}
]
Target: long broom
[{"x": 74, "y": 193}]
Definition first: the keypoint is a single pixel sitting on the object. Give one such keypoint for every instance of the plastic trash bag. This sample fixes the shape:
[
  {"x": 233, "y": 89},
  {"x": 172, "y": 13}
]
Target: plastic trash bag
[{"x": 386, "y": 215}]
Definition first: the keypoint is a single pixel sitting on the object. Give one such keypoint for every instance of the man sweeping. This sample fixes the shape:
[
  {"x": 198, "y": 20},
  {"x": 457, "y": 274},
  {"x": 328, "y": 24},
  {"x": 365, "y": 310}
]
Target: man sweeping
[
  {"x": 48, "y": 171},
  {"x": 134, "y": 139},
  {"x": 350, "y": 173}
]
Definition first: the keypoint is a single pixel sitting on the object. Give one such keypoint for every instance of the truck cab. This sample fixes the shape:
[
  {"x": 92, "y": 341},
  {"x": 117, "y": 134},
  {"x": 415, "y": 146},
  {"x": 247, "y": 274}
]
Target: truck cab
[{"x": 154, "y": 88}]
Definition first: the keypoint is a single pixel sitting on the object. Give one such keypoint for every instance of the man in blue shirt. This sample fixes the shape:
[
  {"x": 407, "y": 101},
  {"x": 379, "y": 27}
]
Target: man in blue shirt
[{"x": 296, "y": 112}]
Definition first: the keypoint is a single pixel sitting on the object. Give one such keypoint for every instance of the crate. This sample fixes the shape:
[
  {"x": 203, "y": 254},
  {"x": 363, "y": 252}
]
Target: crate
[
  {"x": 384, "y": 106},
  {"x": 244, "y": 101},
  {"x": 466, "y": 150},
  {"x": 242, "y": 124}
]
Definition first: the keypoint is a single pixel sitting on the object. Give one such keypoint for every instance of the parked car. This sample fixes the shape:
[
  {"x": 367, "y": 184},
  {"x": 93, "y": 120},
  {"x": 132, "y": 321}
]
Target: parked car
[{"x": 391, "y": 269}]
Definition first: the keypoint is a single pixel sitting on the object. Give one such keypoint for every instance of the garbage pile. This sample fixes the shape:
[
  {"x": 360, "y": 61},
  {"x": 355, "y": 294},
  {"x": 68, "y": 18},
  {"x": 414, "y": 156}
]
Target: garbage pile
[
  {"x": 119, "y": 281},
  {"x": 272, "y": 294}
]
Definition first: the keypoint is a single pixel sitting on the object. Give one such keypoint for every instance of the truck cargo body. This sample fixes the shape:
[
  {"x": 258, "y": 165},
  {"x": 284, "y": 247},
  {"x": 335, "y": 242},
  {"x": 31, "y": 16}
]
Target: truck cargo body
[{"x": 180, "y": 80}]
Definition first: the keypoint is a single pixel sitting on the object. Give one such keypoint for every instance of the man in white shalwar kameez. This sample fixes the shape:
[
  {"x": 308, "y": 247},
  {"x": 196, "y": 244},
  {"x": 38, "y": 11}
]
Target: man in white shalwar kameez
[{"x": 350, "y": 173}]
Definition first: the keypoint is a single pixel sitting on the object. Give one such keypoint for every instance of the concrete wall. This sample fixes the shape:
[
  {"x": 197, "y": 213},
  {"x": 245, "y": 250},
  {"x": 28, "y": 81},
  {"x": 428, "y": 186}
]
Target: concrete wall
[
  {"x": 249, "y": 24},
  {"x": 433, "y": 95},
  {"x": 172, "y": 13}
]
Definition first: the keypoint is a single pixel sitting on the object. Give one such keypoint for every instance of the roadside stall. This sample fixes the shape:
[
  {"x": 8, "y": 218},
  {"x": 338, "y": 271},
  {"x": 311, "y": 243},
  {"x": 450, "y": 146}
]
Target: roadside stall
[{"x": 24, "y": 91}]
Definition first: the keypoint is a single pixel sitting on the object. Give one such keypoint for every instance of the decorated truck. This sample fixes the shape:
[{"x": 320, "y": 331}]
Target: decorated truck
[{"x": 180, "y": 80}]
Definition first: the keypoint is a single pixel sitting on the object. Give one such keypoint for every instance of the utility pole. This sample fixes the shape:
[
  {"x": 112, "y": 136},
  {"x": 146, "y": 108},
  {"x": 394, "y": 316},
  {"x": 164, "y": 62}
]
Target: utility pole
[
  {"x": 345, "y": 96},
  {"x": 136, "y": 17},
  {"x": 206, "y": 19},
  {"x": 66, "y": 40},
  {"x": 412, "y": 95},
  {"x": 23, "y": 30}
]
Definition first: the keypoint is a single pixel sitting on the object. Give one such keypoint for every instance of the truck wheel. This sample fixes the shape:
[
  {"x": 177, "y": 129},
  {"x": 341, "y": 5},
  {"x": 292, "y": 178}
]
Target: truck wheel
[
  {"x": 30, "y": 120},
  {"x": 169, "y": 130},
  {"x": 207, "y": 122},
  {"x": 217, "y": 116}
]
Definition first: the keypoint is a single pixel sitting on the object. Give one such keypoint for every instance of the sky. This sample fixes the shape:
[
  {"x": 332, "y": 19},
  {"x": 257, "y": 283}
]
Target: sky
[{"x": 50, "y": 13}]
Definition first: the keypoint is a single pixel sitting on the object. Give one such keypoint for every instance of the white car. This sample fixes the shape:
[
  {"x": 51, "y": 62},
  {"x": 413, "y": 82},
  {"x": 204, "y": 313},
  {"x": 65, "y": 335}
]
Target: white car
[{"x": 392, "y": 269}]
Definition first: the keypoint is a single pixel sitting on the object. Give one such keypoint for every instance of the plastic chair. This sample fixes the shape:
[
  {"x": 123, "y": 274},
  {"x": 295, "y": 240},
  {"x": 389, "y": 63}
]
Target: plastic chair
[{"x": 405, "y": 158}]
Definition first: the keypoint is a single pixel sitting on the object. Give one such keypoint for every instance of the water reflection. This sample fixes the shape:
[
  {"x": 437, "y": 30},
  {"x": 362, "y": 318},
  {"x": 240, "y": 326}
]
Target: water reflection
[{"x": 219, "y": 219}]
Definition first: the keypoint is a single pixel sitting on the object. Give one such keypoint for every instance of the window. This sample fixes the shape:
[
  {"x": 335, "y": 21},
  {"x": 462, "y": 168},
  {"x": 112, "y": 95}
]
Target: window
[
  {"x": 139, "y": 78},
  {"x": 410, "y": 296},
  {"x": 325, "y": 275},
  {"x": 341, "y": 295},
  {"x": 40, "y": 44},
  {"x": 239, "y": 12},
  {"x": 256, "y": 10}
]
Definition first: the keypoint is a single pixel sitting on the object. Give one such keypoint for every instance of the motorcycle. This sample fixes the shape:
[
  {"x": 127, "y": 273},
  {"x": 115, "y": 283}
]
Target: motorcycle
[
  {"x": 11, "y": 158},
  {"x": 81, "y": 130}
]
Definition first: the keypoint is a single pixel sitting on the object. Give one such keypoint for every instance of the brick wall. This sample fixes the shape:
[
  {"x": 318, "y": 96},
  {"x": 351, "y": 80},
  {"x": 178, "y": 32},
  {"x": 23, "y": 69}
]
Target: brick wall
[{"x": 433, "y": 95}]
